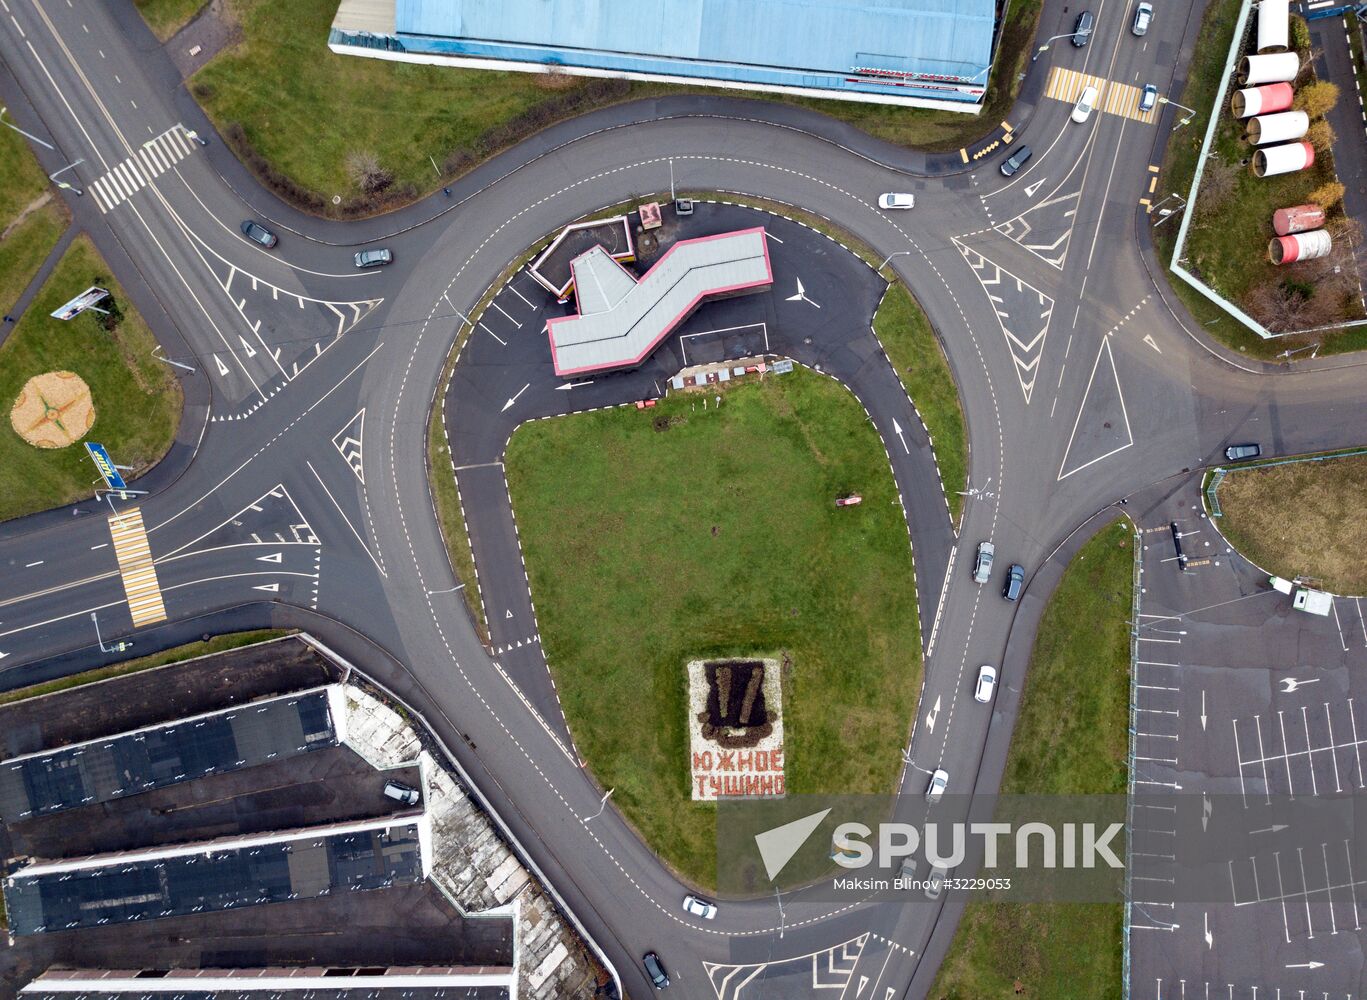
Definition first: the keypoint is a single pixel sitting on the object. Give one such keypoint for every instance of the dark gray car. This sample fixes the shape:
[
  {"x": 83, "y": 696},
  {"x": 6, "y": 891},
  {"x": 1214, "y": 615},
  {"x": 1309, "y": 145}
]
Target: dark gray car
[
  {"x": 655, "y": 969},
  {"x": 1082, "y": 29},
  {"x": 1015, "y": 582},
  {"x": 377, "y": 257},
  {"x": 258, "y": 233},
  {"x": 1015, "y": 161}
]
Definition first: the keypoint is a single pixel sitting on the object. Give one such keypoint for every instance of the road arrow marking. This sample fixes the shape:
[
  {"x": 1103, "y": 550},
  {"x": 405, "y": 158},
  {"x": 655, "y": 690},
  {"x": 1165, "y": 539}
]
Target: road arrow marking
[
  {"x": 509, "y": 614},
  {"x": 1306, "y": 965},
  {"x": 1206, "y": 808},
  {"x": 863, "y": 981},
  {"x": 777, "y": 846},
  {"x": 270, "y": 588},
  {"x": 3, "y": 655},
  {"x": 1289, "y": 684},
  {"x": 1148, "y": 339},
  {"x": 222, "y": 368},
  {"x": 508, "y": 405},
  {"x": 1210, "y": 940},
  {"x": 274, "y": 557},
  {"x": 1030, "y": 189},
  {"x": 251, "y": 351},
  {"x": 933, "y": 715},
  {"x": 1274, "y": 828},
  {"x": 1203, "y": 711},
  {"x": 897, "y": 429},
  {"x": 572, "y": 385}
]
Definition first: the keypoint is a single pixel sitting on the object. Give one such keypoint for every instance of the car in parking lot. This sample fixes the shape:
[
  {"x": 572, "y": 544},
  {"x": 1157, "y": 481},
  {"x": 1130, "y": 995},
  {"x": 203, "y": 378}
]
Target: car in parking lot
[
  {"x": 1148, "y": 97},
  {"x": 1082, "y": 28},
  {"x": 939, "y": 781},
  {"x": 935, "y": 882},
  {"x": 894, "y": 200},
  {"x": 1015, "y": 582},
  {"x": 1015, "y": 161},
  {"x": 987, "y": 683},
  {"x": 1086, "y": 101},
  {"x": 699, "y": 907},
  {"x": 258, "y": 233},
  {"x": 1143, "y": 17},
  {"x": 655, "y": 969},
  {"x": 377, "y": 257},
  {"x": 401, "y": 793},
  {"x": 982, "y": 563},
  {"x": 1242, "y": 452}
]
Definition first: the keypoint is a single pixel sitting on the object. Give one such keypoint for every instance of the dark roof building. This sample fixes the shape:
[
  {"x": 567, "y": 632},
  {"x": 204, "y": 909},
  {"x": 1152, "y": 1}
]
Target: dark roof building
[
  {"x": 313, "y": 983},
  {"x": 99, "y": 770},
  {"x": 217, "y": 875}
]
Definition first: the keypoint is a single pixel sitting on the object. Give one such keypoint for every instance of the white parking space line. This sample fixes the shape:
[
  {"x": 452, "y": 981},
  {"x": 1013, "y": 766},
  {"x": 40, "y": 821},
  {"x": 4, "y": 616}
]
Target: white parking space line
[{"x": 505, "y": 313}]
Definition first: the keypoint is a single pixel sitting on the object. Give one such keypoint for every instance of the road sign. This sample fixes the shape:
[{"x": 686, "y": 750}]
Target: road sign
[
  {"x": 81, "y": 303},
  {"x": 112, "y": 477}
]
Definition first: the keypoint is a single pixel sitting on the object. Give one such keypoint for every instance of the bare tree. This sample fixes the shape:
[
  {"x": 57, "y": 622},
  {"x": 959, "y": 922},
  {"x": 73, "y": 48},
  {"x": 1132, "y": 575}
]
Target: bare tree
[
  {"x": 364, "y": 170},
  {"x": 1217, "y": 187}
]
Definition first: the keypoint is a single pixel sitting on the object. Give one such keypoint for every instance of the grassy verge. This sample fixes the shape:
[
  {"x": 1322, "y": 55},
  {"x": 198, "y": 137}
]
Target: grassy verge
[
  {"x": 920, "y": 362},
  {"x": 30, "y": 224},
  {"x": 166, "y": 17},
  {"x": 654, "y": 538},
  {"x": 267, "y": 93},
  {"x": 137, "y": 399},
  {"x": 216, "y": 644},
  {"x": 1071, "y": 739},
  {"x": 1217, "y": 249},
  {"x": 1304, "y": 519}
]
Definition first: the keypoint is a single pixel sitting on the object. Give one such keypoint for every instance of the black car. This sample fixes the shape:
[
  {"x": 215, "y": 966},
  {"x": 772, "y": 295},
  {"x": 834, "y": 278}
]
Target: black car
[
  {"x": 655, "y": 969},
  {"x": 258, "y": 233},
  {"x": 1015, "y": 582},
  {"x": 1015, "y": 161},
  {"x": 1082, "y": 30},
  {"x": 1240, "y": 452}
]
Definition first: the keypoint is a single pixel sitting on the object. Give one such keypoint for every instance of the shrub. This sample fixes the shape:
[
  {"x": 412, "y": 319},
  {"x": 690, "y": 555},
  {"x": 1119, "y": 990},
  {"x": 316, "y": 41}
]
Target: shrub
[
  {"x": 1300, "y": 34},
  {"x": 1316, "y": 99},
  {"x": 363, "y": 167},
  {"x": 1321, "y": 136},
  {"x": 1327, "y": 195},
  {"x": 1217, "y": 186}
]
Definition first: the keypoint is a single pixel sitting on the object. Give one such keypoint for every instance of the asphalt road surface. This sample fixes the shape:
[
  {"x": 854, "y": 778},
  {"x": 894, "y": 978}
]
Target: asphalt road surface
[{"x": 300, "y": 475}]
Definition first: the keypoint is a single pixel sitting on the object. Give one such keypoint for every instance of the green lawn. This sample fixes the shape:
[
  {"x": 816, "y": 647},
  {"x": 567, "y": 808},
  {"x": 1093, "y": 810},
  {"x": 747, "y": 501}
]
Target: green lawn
[
  {"x": 137, "y": 400},
  {"x": 1229, "y": 250},
  {"x": 1301, "y": 519},
  {"x": 652, "y": 538},
  {"x": 1071, "y": 739},
  {"x": 166, "y": 17},
  {"x": 23, "y": 248},
  {"x": 915, "y": 352},
  {"x": 281, "y": 81}
]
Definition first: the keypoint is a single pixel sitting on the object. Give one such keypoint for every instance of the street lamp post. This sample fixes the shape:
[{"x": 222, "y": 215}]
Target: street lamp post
[
  {"x": 118, "y": 647},
  {"x": 1164, "y": 214},
  {"x": 27, "y": 135},
  {"x": 63, "y": 184},
  {"x": 1191, "y": 112},
  {"x": 898, "y": 253},
  {"x": 1049, "y": 41},
  {"x": 601, "y": 805}
]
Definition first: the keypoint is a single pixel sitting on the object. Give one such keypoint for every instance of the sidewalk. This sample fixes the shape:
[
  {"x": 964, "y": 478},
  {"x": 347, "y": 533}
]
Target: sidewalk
[{"x": 31, "y": 292}]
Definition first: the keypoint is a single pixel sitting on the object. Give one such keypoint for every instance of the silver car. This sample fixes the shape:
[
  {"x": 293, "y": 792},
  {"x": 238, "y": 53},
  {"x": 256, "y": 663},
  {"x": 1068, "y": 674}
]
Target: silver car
[
  {"x": 935, "y": 881},
  {"x": 374, "y": 258},
  {"x": 987, "y": 684},
  {"x": 939, "y": 781},
  {"x": 1143, "y": 17},
  {"x": 982, "y": 564}
]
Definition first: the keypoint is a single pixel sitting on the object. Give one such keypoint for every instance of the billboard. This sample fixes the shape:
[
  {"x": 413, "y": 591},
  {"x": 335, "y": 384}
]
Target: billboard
[
  {"x": 112, "y": 477},
  {"x": 81, "y": 303}
]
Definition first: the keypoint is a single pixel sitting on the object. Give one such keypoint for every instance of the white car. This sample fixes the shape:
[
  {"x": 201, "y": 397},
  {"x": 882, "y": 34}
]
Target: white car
[
  {"x": 935, "y": 881},
  {"x": 1082, "y": 110},
  {"x": 939, "y": 781},
  {"x": 700, "y": 907},
  {"x": 987, "y": 684},
  {"x": 892, "y": 200}
]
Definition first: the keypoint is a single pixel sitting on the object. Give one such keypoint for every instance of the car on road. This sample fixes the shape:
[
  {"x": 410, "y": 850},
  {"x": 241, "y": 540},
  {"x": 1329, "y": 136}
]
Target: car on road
[
  {"x": 700, "y": 907},
  {"x": 1015, "y": 582},
  {"x": 401, "y": 793},
  {"x": 893, "y": 200},
  {"x": 258, "y": 233},
  {"x": 1148, "y": 97},
  {"x": 909, "y": 866},
  {"x": 377, "y": 257},
  {"x": 1143, "y": 17},
  {"x": 1242, "y": 452},
  {"x": 935, "y": 882},
  {"x": 939, "y": 781},
  {"x": 1015, "y": 161},
  {"x": 982, "y": 563},
  {"x": 655, "y": 969},
  {"x": 987, "y": 683},
  {"x": 1082, "y": 28},
  {"x": 1086, "y": 101}
]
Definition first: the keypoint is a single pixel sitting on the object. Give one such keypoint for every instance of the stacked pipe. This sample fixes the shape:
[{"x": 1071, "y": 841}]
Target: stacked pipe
[
  {"x": 1297, "y": 219},
  {"x": 1278, "y": 67},
  {"x": 1265, "y": 100},
  {"x": 1299, "y": 246},
  {"x": 1274, "y": 23},
  {"x": 1284, "y": 159},
  {"x": 1281, "y": 127}
]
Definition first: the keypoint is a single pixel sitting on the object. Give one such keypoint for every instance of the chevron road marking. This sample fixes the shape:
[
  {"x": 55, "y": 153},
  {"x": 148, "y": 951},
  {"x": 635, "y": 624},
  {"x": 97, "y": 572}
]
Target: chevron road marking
[{"x": 135, "y": 566}]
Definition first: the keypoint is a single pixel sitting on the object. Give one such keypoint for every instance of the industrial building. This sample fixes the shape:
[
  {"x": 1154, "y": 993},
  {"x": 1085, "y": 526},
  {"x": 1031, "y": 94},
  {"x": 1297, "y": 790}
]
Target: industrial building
[
  {"x": 112, "y": 767},
  {"x": 217, "y": 875},
  {"x": 621, "y": 320},
  {"x": 927, "y": 53},
  {"x": 483, "y": 982}
]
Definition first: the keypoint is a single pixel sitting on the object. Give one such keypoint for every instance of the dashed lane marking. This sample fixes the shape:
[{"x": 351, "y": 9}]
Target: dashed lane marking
[{"x": 135, "y": 566}]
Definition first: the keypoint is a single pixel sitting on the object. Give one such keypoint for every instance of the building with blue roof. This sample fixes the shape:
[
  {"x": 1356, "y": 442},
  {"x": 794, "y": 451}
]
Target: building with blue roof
[{"x": 928, "y": 53}]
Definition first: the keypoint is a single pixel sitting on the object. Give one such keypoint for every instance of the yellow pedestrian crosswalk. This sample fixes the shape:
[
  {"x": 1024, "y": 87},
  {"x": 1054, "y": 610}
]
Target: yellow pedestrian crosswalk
[
  {"x": 1116, "y": 98},
  {"x": 135, "y": 566}
]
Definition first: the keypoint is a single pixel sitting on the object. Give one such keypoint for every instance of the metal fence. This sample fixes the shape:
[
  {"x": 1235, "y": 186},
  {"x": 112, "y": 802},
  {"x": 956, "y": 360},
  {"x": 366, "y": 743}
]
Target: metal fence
[{"x": 1137, "y": 573}]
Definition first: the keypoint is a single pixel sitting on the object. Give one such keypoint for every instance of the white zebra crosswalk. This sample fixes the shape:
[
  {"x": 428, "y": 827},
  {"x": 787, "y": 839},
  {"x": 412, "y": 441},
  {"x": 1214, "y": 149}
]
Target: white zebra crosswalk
[{"x": 156, "y": 156}]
